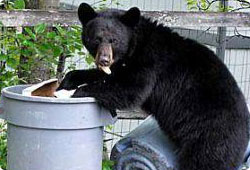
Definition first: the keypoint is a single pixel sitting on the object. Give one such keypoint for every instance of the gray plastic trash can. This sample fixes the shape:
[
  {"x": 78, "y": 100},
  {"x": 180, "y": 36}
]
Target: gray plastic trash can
[
  {"x": 145, "y": 148},
  {"x": 53, "y": 134},
  {"x": 148, "y": 148}
]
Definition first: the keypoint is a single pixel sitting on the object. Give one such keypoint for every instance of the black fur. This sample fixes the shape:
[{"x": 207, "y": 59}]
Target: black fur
[{"x": 190, "y": 92}]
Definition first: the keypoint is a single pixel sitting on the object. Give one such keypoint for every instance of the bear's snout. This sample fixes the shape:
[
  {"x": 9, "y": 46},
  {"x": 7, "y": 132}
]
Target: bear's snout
[
  {"x": 104, "y": 55},
  {"x": 104, "y": 60}
]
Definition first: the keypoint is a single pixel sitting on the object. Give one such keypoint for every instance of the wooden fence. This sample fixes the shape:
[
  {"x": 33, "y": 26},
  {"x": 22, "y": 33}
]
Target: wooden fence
[{"x": 175, "y": 19}]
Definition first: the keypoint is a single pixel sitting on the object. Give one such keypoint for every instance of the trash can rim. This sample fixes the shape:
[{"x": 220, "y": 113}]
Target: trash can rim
[{"x": 6, "y": 92}]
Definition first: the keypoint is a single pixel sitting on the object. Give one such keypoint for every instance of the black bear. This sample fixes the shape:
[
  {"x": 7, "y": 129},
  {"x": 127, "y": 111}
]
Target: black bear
[{"x": 182, "y": 83}]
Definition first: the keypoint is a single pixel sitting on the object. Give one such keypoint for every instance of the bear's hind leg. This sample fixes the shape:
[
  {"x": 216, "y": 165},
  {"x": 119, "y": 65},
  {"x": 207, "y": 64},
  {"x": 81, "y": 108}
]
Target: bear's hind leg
[{"x": 195, "y": 157}]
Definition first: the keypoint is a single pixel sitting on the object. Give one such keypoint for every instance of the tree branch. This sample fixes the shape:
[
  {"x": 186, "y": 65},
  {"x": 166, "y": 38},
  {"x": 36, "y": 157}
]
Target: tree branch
[{"x": 209, "y": 5}]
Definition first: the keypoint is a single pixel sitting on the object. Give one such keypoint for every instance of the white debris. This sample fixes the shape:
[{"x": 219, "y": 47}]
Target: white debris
[{"x": 64, "y": 94}]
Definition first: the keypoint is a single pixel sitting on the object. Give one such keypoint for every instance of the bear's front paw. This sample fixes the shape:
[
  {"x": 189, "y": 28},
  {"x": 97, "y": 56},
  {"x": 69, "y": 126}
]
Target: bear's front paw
[
  {"x": 69, "y": 82},
  {"x": 80, "y": 93}
]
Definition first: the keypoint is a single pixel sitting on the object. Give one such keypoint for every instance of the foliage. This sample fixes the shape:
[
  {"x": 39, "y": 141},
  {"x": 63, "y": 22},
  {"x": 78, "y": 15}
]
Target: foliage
[
  {"x": 36, "y": 44},
  {"x": 216, "y": 5},
  {"x": 3, "y": 146},
  {"x": 107, "y": 165},
  {"x": 103, "y": 4},
  {"x": 8, "y": 4},
  {"x": 19, "y": 4}
]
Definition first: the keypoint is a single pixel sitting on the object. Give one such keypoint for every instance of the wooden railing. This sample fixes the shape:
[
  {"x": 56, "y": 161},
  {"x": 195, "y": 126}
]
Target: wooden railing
[{"x": 175, "y": 19}]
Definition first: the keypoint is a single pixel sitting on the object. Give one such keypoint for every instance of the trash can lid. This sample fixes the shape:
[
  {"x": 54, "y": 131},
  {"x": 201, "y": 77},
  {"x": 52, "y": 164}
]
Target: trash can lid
[{"x": 15, "y": 92}]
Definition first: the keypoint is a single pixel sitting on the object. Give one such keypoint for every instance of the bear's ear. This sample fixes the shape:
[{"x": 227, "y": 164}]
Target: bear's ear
[
  {"x": 131, "y": 17},
  {"x": 86, "y": 13}
]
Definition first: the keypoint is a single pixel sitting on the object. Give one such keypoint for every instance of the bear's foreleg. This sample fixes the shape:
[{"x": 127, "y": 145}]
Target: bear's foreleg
[
  {"x": 115, "y": 94},
  {"x": 75, "y": 78}
]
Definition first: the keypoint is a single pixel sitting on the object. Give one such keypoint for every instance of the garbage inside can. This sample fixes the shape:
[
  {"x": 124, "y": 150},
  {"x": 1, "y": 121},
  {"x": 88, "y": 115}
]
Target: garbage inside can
[{"x": 46, "y": 133}]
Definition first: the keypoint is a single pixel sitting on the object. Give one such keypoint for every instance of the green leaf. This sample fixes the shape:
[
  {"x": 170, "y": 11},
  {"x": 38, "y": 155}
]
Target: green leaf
[
  {"x": 80, "y": 53},
  {"x": 45, "y": 47},
  {"x": 109, "y": 127},
  {"x": 26, "y": 52},
  {"x": 107, "y": 165},
  {"x": 58, "y": 38},
  {"x": 89, "y": 59},
  {"x": 28, "y": 43},
  {"x": 60, "y": 30},
  {"x": 11, "y": 62},
  {"x": 30, "y": 33},
  {"x": 51, "y": 35},
  {"x": 3, "y": 57},
  {"x": 193, "y": 8},
  {"x": 19, "y": 4},
  {"x": 40, "y": 28},
  {"x": 57, "y": 51},
  {"x": 72, "y": 48},
  {"x": 21, "y": 36}
]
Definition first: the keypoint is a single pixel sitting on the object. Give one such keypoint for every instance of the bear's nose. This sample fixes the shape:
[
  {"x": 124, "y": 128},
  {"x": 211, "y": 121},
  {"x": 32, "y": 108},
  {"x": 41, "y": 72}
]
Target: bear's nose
[{"x": 104, "y": 60}]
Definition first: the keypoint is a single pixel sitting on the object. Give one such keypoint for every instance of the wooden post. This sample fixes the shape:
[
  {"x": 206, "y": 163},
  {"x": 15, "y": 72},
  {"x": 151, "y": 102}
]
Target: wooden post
[
  {"x": 221, "y": 47},
  {"x": 221, "y": 32}
]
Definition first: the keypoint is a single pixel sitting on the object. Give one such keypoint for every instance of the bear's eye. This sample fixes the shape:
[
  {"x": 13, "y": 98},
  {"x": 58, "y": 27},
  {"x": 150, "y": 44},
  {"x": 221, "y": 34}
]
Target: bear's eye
[
  {"x": 113, "y": 41},
  {"x": 98, "y": 40}
]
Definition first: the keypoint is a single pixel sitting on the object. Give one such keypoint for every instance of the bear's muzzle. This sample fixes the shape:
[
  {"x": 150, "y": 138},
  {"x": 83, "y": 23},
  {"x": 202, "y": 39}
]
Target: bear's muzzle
[{"x": 104, "y": 57}]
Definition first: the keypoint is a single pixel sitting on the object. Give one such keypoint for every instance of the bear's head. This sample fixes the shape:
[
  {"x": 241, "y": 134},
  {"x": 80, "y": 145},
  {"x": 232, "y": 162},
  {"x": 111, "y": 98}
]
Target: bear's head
[{"x": 107, "y": 35}]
